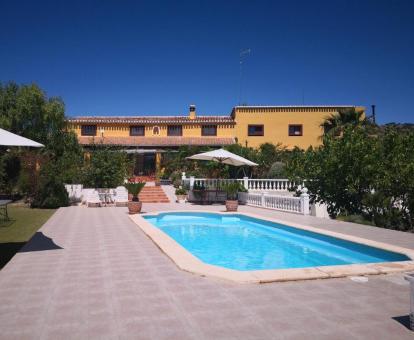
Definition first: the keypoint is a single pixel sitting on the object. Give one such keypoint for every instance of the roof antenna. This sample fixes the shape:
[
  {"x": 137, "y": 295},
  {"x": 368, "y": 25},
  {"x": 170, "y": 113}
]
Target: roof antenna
[
  {"x": 374, "y": 118},
  {"x": 243, "y": 54}
]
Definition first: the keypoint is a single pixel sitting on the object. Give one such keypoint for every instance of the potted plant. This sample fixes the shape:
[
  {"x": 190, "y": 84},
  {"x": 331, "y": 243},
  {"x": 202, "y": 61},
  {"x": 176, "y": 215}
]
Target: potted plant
[
  {"x": 134, "y": 206},
  {"x": 231, "y": 189},
  {"x": 158, "y": 175},
  {"x": 181, "y": 194}
]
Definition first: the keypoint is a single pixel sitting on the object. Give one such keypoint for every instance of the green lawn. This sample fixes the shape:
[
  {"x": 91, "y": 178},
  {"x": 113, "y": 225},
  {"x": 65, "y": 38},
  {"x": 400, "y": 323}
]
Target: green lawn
[{"x": 23, "y": 225}]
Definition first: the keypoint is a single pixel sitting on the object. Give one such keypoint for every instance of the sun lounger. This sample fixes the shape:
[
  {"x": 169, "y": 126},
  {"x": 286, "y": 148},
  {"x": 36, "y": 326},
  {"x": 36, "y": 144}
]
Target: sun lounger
[
  {"x": 121, "y": 196},
  {"x": 93, "y": 200}
]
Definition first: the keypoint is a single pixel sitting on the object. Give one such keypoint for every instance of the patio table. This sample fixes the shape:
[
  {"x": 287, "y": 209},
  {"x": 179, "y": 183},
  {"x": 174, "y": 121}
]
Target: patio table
[
  {"x": 3, "y": 210},
  {"x": 106, "y": 197}
]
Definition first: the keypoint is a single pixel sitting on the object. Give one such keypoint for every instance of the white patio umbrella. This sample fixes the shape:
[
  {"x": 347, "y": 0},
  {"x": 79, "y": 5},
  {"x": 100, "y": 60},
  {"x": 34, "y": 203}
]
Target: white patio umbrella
[
  {"x": 222, "y": 156},
  {"x": 10, "y": 139}
]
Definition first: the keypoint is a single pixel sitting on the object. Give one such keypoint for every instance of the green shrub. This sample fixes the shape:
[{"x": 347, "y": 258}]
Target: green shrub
[
  {"x": 23, "y": 185},
  {"x": 177, "y": 183},
  {"x": 180, "y": 191},
  {"x": 107, "y": 169},
  {"x": 277, "y": 170},
  {"x": 51, "y": 194}
]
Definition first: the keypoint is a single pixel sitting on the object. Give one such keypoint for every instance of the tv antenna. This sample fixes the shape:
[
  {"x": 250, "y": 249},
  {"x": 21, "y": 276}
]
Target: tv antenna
[{"x": 243, "y": 55}]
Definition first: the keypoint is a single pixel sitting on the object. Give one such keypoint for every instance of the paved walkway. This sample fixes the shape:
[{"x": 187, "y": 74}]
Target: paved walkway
[{"x": 91, "y": 273}]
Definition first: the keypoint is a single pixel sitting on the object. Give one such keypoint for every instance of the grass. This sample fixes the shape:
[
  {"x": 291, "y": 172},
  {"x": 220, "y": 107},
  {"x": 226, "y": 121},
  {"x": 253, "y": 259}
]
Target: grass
[{"x": 23, "y": 224}]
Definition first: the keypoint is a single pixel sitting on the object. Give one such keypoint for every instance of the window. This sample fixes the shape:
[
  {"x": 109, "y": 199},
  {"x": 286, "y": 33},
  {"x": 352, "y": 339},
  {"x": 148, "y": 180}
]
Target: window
[
  {"x": 88, "y": 130},
  {"x": 137, "y": 130},
  {"x": 295, "y": 130},
  {"x": 174, "y": 130},
  {"x": 255, "y": 130},
  {"x": 209, "y": 130},
  {"x": 155, "y": 130}
]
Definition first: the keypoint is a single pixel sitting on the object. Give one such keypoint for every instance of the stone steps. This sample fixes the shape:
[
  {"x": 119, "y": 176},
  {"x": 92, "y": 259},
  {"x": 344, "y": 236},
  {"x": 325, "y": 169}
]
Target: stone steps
[{"x": 153, "y": 194}]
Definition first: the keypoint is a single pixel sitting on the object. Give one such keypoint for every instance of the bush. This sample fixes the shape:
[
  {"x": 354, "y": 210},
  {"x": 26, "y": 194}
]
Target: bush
[
  {"x": 277, "y": 170},
  {"x": 177, "y": 183},
  {"x": 106, "y": 169},
  {"x": 10, "y": 167},
  {"x": 180, "y": 191},
  {"x": 51, "y": 194}
]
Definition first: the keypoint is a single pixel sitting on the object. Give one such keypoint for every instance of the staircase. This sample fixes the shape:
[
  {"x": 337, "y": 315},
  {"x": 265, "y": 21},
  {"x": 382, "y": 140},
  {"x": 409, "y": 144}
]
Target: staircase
[{"x": 153, "y": 194}]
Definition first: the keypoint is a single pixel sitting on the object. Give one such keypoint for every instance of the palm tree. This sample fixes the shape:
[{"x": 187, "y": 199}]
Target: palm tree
[{"x": 337, "y": 122}]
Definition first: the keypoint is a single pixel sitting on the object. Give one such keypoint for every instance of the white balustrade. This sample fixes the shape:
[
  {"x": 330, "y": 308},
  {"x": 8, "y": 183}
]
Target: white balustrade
[
  {"x": 269, "y": 185},
  {"x": 299, "y": 205},
  {"x": 208, "y": 183}
]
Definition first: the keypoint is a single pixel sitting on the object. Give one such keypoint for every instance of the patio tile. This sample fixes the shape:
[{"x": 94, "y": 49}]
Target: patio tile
[{"x": 111, "y": 282}]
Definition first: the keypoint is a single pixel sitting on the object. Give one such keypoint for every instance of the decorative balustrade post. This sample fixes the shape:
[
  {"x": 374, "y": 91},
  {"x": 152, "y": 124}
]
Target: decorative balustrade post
[
  {"x": 192, "y": 182},
  {"x": 246, "y": 182},
  {"x": 304, "y": 200},
  {"x": 262, "y": 199},
  {"x": 183, "y": 176}
]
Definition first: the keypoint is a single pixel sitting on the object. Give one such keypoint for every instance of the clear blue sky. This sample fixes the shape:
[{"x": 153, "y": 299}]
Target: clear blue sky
[{"x": 134, "y": 57}]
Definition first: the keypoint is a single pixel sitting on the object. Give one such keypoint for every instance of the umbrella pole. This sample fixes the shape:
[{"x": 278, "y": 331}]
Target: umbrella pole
[{"x": 215, "y": 199}]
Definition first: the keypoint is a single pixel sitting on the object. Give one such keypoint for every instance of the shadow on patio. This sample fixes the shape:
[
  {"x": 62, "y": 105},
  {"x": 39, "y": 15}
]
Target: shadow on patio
[{"x": 38, "y": 242}]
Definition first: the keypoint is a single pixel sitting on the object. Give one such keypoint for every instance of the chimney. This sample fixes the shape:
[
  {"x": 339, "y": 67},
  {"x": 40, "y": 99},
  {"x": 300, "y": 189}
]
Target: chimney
[{"x": 192, "y": 114}]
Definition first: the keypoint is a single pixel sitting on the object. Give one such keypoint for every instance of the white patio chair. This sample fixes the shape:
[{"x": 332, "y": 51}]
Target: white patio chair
[
  {"x": 121, "y": 196},
  {"x": 93, "y": 199},
  {"x": 85, "y": 194}
]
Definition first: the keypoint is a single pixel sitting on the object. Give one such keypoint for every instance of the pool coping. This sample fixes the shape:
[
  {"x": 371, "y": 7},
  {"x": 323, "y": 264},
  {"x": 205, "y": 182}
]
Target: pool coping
[{"x": 186, "y": 261}]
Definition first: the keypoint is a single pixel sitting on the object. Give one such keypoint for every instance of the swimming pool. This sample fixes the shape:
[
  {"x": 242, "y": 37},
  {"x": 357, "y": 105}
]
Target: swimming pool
[{"x": 244, "y": 243}]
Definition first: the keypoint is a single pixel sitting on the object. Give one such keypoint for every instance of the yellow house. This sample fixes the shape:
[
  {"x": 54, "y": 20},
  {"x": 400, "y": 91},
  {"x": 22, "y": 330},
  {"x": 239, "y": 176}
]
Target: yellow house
[
  {"x": 150, "y": 136},
  {"x": 289, "y": 125}
]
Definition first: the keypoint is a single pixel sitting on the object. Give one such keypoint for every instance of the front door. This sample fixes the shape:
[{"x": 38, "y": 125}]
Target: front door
[
  {"x": 144, "y": 164},
  {"x": 149, "y": 164}
]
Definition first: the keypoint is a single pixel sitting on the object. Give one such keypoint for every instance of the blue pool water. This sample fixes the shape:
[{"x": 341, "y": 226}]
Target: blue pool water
[{"x": 244, "y": 243}]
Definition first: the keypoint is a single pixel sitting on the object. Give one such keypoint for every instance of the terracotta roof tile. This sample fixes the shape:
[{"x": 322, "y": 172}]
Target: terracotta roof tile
[
  {"x": 157, "y": 141},
  {"x": 153, "y": 120}
]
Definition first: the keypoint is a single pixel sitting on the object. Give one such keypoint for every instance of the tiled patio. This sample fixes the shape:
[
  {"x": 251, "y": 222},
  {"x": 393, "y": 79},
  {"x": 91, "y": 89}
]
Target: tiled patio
[{"x": 91, "y": 273}]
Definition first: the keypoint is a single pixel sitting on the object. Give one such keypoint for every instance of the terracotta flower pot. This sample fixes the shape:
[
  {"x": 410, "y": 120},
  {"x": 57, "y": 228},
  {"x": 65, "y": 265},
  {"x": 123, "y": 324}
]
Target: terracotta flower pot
[
  {"x": 181, "y": 198},
  {"x": 134, "y": 207},
  {"x": 232, "y": 205}
]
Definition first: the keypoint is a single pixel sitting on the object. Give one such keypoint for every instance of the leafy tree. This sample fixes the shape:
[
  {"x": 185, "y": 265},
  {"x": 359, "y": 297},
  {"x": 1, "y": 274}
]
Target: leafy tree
[
  {"x": 107, "y": 168},
  {"x": 391, "y": 204},
  {"x": 340, "y": 172},
  {"x": 334, "y": 124},
  {"x": 67, "y": 155},
  {"x": 361, "y": 175},
  {"x": 27, "y": 111}
]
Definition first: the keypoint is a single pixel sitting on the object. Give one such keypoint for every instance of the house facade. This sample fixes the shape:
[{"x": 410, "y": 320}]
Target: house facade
[{"x": 150, "y": 136}]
